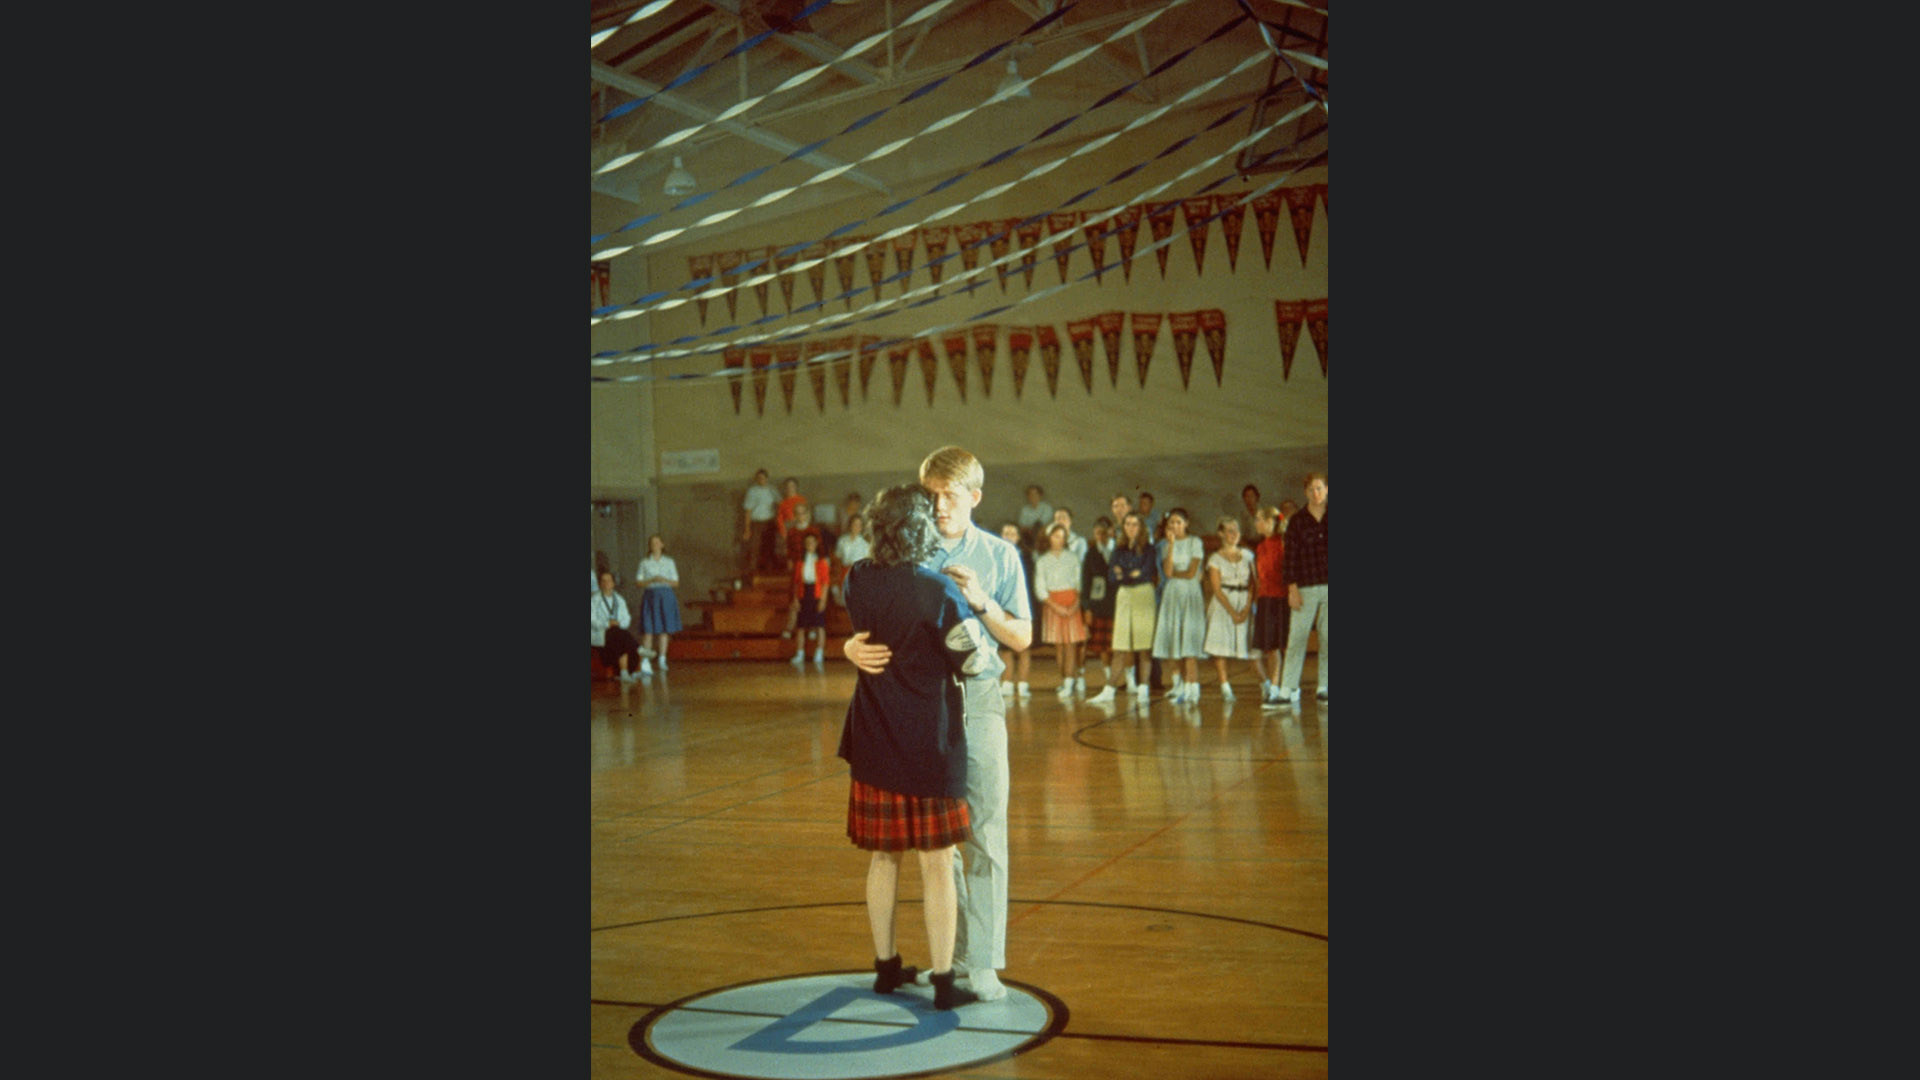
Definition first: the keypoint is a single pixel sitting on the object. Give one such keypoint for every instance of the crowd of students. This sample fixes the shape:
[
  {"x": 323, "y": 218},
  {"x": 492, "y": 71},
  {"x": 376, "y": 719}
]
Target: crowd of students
[{"x": 1152, "y": 599}]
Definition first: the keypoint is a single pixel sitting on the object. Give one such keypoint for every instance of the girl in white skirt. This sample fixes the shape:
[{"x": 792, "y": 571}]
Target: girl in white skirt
[
  {"x": 1181, "y": 631},
  {"x": 1229, "y": 601}
]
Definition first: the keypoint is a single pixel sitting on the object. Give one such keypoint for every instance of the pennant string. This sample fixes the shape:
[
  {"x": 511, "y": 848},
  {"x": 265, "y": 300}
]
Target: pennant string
[{"x": 882, "y": 309}]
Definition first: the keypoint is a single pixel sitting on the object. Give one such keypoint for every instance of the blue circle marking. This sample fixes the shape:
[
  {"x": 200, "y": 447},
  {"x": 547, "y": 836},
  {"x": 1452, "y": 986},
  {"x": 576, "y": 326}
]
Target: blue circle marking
[{"x": 834, "y": 1027}]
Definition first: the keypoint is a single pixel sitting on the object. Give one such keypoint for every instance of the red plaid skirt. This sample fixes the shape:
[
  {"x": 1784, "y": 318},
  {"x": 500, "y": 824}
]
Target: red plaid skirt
[
  {"x": 1099, "y": 636},
  {"x": 884, "y": 821}
]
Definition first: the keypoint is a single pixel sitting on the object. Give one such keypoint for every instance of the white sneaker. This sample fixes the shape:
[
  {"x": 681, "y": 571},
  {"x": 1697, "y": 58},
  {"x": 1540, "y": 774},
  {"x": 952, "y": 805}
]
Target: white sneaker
[
  {"x": 1289, "y": 697},
  {"x": 1006, "y": 689},
  {"x": 646, "y": 669},
  {"x": 986, "y": 984},
  {"x": 1141, "y": 690},
  {"x": 1065, "y": 691},
  {"x": 799, "y": 659},
  {"x": 628, "y": 677},
  {"x": 819, "y": 656},
  {"x": 1103, "y": 697},
  {"x": 663, "y": 661},
  {"x": 1272, "y": 699},
  {"x": 1226, "y": 692},
  {"x": 1080, "y": 685},
  {"x": 1025, "y": 691},
  {"x": 1320, "y": 694}
]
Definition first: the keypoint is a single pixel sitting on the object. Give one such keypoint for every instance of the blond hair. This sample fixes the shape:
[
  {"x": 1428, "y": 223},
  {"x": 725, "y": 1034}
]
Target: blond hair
[{"x": 955, "y": 466}]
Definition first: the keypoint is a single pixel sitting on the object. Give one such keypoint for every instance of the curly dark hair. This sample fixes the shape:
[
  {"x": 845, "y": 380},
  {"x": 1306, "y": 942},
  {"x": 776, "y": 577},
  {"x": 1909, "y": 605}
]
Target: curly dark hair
[{"x": 901, "y": 524}]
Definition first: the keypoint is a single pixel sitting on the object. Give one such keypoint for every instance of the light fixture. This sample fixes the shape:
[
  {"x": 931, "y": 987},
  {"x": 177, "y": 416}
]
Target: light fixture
[
  {"x": 1013, "y": 86},
  {"x": 679, "y": 180}
]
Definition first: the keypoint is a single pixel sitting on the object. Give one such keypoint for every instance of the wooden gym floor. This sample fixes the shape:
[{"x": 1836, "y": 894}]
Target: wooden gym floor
[{"x": 1168, "y": 875}]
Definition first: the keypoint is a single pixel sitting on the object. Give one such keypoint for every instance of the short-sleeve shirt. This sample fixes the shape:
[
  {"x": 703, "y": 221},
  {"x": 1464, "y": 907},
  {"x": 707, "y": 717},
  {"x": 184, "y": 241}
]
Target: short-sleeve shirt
[
  {"x": 759, "y": 503},
  {"x": 662, "y": 566},
  {"x": 997, "y": 563},
  {"x": 905, "y": 730}
]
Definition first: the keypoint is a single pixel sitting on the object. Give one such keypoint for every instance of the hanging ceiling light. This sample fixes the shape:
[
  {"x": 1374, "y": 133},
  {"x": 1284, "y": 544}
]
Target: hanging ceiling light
[
  {"x": 679, "y": 180},
  {"x": 1013, "y": 86}
]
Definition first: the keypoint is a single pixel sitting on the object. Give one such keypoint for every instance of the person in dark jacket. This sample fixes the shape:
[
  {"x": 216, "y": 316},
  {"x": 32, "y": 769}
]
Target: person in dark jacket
[{"x": 905, "y": 735}]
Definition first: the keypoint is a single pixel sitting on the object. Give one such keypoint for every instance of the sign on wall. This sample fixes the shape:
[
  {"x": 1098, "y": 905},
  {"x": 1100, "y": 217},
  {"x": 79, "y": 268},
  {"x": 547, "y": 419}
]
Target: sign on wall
[{"x": 689, "y": 462}]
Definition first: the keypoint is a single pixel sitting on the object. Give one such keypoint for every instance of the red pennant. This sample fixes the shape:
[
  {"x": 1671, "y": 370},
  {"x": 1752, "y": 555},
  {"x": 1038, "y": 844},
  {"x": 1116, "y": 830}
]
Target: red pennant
[
  {"x": 903, "y": 246},
  {"x": 869, "y": 353},
  {"x": 1001, "y": 244},
  {"x": 1081, "y": 334},
  {"x": 897, "y": 365},
  {"x": 969, "y": 238},
  {"x": 1197, "y": 211},
  {"x": 783, "y": 265},
  {"x": 599, "y": 284},
  {"x": 1316, "y": 315},
  {"x": 1300, "y": 212},
  {"x": 1050, "y": 357},
  {"x": 929, "y": 365},
  {"x": 817, "y": 254},
  {"x": 1057, "y": 225},
  {"x": 735, "y": 358},
  {"x": 1186, "y": 328},
  {"x": 1129, "y": 233},
  {"x": 843, "y": 367},
  {"x": 729, "y": 276},
  {"x": 700, "y": 268},
  {"x": 876, "y": 268},
  {"x": 816, "y": 373},
  {"x": 1288, "y": 314},
  {"x": 985, "y": 345},
  {"x": 1112, "y": 324},
  {"x": 845, "y": 251},
  {"x": 956, "y": 343},
  {"x": 760, "y": 359},
  {"x": 1325, "y": 206},
  {"x": 1213, "y": 327},
  {"x": 1096, "y": 235},
  {"x": 1019, "y": 349},
  {"x": 1146, "y": 330},
  {"x": 1266, "y": 218},
  {"x": 788, "y": 357},
  {"x": 935, "y": 240},
  {"x": 1233, "y": 216},
  {"x": 1160, "y": 220},
  {"x": 1029, "y": 236}
]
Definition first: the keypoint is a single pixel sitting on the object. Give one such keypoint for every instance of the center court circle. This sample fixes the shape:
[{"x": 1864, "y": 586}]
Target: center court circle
[{"x": 833, "y": 1026}]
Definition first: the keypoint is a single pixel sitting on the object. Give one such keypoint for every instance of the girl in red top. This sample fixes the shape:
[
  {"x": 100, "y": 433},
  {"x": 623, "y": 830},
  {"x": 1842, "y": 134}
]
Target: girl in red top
[
  {"x": 1268, "y": 639},
  {"x": 790, "y": 502},
  {"x": 812, "y": 574}
]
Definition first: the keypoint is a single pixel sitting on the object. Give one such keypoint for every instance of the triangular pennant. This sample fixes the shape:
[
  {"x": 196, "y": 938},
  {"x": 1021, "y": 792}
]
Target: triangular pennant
[
  {"x": 1050, "y": 357},
  {"x": 599, "y": 284},
  {"x": 935, "y": 240},
  {"x": 1288, "y": 315},
  {"x": 956, "y": 344},
  {"x": 1160, "y": 220},
  {"x": 1097, "y": 241},
  {"x": 1266, "y": 218},
  {"x": 760, "y": 359},
  {"x": 845, "y": 251},
  {"x": 1129, "y": 235},
  {"x": 969, "y": 238},
  {"x": 1213, "y": 327},
  {"x": 1325, "y": 206},
  {"x": 1300, "y": 213},
  {"x": 700, "y": 268},
  {"x": 1081, "y": 334},
  {"x": 760, "y": 287},
  {"x": 783, "y": 265},
  {"x": 1233, "y": 216},
  {"x": 1112, "y": 324},
  {"x": 729, "y": 262},
  {"x": 1028, "y": 234},
  {"x": 788, "y": 357},
  {"x": 929, "y": 365},
  {"x": 1197, "y": 211},
  {"x": 1146, "y": 330},
  {"x": 817, "y": 255},
  {"x": 1186, "y": 328},
  {"x": 735, "y": 358},
  {"x": 876, "y": 268},
  {"x": 985, "y": 345},
  {"x": 1316, "y": 316},
  {"x": 817, "y": 373},
  {"x": 1019, "y": 348},
  {"x": 903, "y": 246},
  {"x": 1001, "y": 244},
  {"x": 1062, "y": 225},
  {"x": 843, "y": 368},
  {"x": 897, "y": 366},
  {"x": 869, "y": 354}
]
